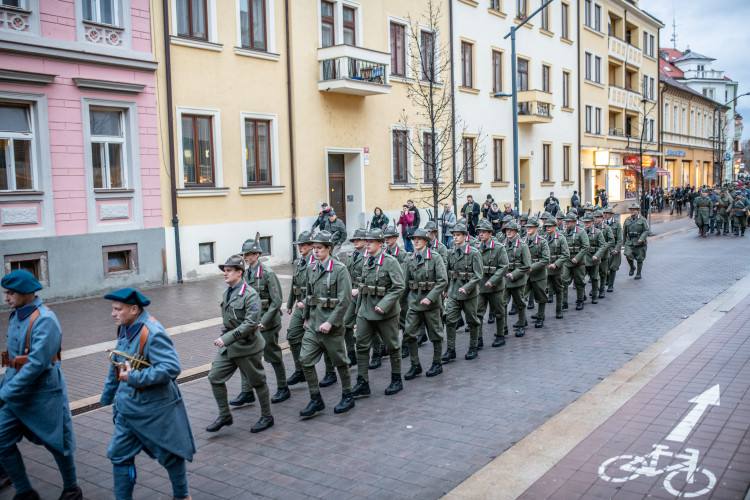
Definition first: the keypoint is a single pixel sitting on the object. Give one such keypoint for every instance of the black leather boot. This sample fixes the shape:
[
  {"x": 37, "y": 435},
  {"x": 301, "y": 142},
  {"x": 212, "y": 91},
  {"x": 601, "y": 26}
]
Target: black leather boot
[
  {"x": 640, "y": 268},
  {"x": 413, "y": 372},
  {"x": 219, "y": 423},
  {"x": 74, "y": 493},
  {"x": 245, "y": 398},
  {"x": 396, "y": 385},
  {"x": 513, "y": 311},
  {"x": 375, "y": 361},
  {"x": 472, "y": 354},
  {"x": 404, "y": 351},
  {"x": 559, "y": 315},
  {"x": 579, "y": 305},
  {"x": 601, "y": 294},
  {"x": 422, "y": 339},
  {"x": 521, "y": 332},
  {"x": 282, "y": 394},
  {"x": 346, "y": 404},
  {"x": 435, "y": 369},
  {"x": 499, "y": 341},
  {"x": 28, "y": 495},
  {"x": 539, "y": 323},
  {"x": 265, "y": 422},
  {"x": 491, "y": 319},
  {"x": 460, "y": 322},
  {"x": 531, "y": 304},
  {"x": 329, "y": 379},
  {"x": 449, "y": 355},
  {"x": 361, "y": 388},
  {"x": 352, "y": 358},
  {"x": 565, "y": 305},
  {"x": 315, "y": 405},
  {"x": 296, "y": 378},
  {"x": 632, "y": 268},
  {"x": 594, "y": 299},
  {"x": 550, "y": 298},
  {"x": 480, "y": 343}
]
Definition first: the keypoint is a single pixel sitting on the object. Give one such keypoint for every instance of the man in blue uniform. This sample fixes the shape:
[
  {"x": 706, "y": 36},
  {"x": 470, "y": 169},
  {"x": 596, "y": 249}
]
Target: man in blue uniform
[
  {"x": 33, "y": 396},
  {"x": 149, "y": 413}
]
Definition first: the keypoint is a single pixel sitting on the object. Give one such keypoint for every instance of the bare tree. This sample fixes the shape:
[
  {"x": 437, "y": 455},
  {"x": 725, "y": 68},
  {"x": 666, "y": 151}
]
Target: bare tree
[
  {"x": 639, "y": 149},
  {"x": 430, "y": 94}
]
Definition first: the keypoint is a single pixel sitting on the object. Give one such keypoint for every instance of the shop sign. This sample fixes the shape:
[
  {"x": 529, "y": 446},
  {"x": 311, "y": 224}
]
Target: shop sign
[{"x": 675, "y": 152}]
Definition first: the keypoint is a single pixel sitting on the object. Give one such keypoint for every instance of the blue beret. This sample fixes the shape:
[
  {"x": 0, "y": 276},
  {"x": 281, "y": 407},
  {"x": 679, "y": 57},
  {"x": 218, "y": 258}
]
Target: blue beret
[
  {"x": 21, "y": 282},
  {"x": 129, "y": 296}
]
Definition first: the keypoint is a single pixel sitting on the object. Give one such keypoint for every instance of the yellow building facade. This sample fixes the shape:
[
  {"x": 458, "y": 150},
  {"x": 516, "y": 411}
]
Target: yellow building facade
[{"x": 618, "y": 94}]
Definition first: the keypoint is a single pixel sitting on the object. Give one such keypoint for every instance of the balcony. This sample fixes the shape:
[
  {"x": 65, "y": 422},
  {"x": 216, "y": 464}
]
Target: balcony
[
  {"x": 534, "y": 106},
  {"x": 687, "y": 140},
  {"x": 625, "y": 52},
  {"x": 623, "y": 98},
  {"x": 346, "y": 69},
  {"x": 707, "y": 74}
]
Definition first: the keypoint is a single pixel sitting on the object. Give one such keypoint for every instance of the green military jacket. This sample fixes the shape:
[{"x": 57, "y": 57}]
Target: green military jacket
[
  {"x": 616, "y": 228},
  {"x": 464, "y": 271},
  {"x": 494, "y": 266},
  {"x": 266, "y": 283},
  {"x": 597, "y": 246},
  {"x": 298, "y": 292},
  {"x": 704, "y": 204},
  {"x": 539, "y": 253},
  {"x": 329, "y": 292},
  {"x": 634, "y": 229},
  {"x": 441, "y": 249},
  {"x": 425, "y": 278},
  {"x": 400, "y": 255},
  {"x": 519, "y": 263},
  {"x": 337, "y": 230},
  {"x": 609, "y": 237},
  {"x": 558, "y": 253},
  {"x": 382, "y": 285},
  {"x": 501, "y": 238},
  {"x": 240, "y": 314},
  {"x": 354, "y": 265},
  {"x": 723, "y": 203},
  {"x": 578, "y": 245},
  {"x": 739, "y": 207}
]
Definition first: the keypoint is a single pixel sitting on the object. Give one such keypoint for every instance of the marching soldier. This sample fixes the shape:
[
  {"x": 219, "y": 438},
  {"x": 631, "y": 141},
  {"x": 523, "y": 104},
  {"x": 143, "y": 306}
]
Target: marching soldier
[
  {"x": 615, "y": 257},
  {"x": 426, "y": 279},
  {"x": 464, "y": 273},
  {"x": 739, "y": 214},
  {"x": 519, "y": 263},
  {"x": 560, "y": 220},
  {"x": 33, "y": 395},
  {"x": 434, "y": 244},
  {"x": 703, "y": 209},
  {"x": 492, "y": 284},
  {"x": 501, "y": 237},
  {"x": 635, "y": 229},
  {"x": 559, "y": 255},
  {"x": 148, "y": 409},
  {"x": 536, "y": 284},
  {"x": 378, "y": 309},
  {"x": 574, "y": 271},
  {"x": 328, "y": 293},
  {"x": 240, "y": 346},
  {"x": 597, "y": 248},
  {"x": 522, "y": 220},
  {"x": 723, "y": 202},
  {"x": 354, "y": 267},
  {"x": 264, "y": 281},
  {"x": 609, "y": 238},
  {"x": 392, "y": 248}
]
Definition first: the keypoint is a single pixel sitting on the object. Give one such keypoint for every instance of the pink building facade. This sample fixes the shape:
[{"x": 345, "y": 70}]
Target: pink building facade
[{"x": 80, "y": 203}]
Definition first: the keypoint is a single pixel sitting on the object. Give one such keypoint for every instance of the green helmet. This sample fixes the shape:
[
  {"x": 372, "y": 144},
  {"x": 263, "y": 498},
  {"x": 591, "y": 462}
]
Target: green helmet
[
  {"x": 532, "y": 222},
  {"x": 422, "y": 233},
  {"x": 484, "y": 225},
  {"x": 375, "y": 234},
  {"x": 460, "y": 228}
]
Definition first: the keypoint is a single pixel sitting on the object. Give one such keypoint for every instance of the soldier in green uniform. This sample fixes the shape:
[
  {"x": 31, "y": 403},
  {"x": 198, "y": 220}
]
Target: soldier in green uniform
[
  {"x": 560, "y": 220},
  {"x": 597, "y": 248},
  {"x": 492, "y": 284},
  {"x": 354, "y": 266},
  {"x": 380, "y": 290},
  {"x": 464, "y": 274},
  {"x": 425, "y": 279},
  {"x": 609, "y": 238},
  {"x": 703, "y": 209},
  {"x": 435, "y": 246},
  {"x": 240, "y": 346},
  {"x": 723, "y": 202},
  {"x": 615, "y": 257},
  {"x": 402, "y": 256},
  {"x": 266, "y": 283},
  {"x": 519, "y": 264},
  {"x": 739, "y": 214},
  {"x": 536, "y": 286},
  {"x": 635, "y": 231},
  {"x": 559, "y": 255},
  {"x": 328, "y": 293},
  {"x": 522, "y": 219},
  {"x": 574, "y": 270}
]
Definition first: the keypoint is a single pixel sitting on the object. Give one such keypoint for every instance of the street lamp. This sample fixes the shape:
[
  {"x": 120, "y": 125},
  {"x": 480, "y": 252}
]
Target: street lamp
[
  {"x": 514, "y": 95},
  {"x": 720, "y": 149}
]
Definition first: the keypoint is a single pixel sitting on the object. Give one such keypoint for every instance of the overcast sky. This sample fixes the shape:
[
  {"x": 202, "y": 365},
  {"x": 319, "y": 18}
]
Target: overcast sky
[{"x": 717, "y": 29}]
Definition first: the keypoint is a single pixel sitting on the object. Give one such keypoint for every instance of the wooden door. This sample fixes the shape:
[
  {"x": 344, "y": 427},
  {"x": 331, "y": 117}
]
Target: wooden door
[{"x": 337, "y": 185}]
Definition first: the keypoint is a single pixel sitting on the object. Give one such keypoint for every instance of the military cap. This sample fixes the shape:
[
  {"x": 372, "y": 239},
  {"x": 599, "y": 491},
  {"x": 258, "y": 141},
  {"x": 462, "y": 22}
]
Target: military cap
[
  {"x": 21, "y": 282},
  {"x": 331, "y": 212},
  {"x": 323, "y": 237},
  {"x": 560, "y": 215},
  {"x": 358, "y": 234},
  {"x": 252, "y": 246},
  {"x": 532, "y": 222},
  {"x": 524, "y": 217},
  {"x": 634, "y": 206},
  {"x": 549, "y": 222},
  {"x": 484, "y": 225},
  {"x": 132, "y": 296},
  {"x": 431, "y": 226},
  {"x": 598, "y": 213},
  {"x": 375, "y": 234},
  {"x": 545, "y": 215},
  {"x": 233, "y": 261},
  {"x": 422, "y": 233},
  {"x": 513, "y": 226},
  {"x": 462, "y": 220},
  {"x": 304, "y": 237},
  {"x": 608, "y": 210},
  {"x": 588, "y": 206},
  {"x": 507, "y": 218},
  {"x": 587, "y": 217},
  {"x": 571, "y": 217},
  {"x": 738, "y": 194},
  {"x": 389, "y": 232},
  {"x": 460, "y": 228}
]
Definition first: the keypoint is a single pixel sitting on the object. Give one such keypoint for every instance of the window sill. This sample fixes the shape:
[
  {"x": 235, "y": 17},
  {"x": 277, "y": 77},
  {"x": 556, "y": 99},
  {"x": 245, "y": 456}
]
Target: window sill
[
  {"x": 102, "y": 25},
  {"x": 468, "y": 90},
  {"x": 201, "y": 192},
  {"x": 546, "y": 32},
  {"x": 499, "y": 184},
  {"x": 428, "y": 185},
  {"x": 547, "y": 184},
  {"x": 258, "y": 54},
  {"x": 593, "y": 30},
  {"x": 470, "y": 3},
  {"x": 501, "y": 15},
  {"x": 595, "y": 84},
  {"x": 567, "y": 183},
  {"x": 114, "y": 191},
  {"x": 567, "y": 110},
  {"x": 566, "y": 40},
  {"x": 244, "y": 191},
  {"x": 196, "y": 44},
  {"x": 406, "y": 186},
  {"x": 426, "y": 84},
  {"x": 470, "y": 185},
  {"x": 21, "y": 193},
  {"x": 652, "y": 58},
  {"x": 401, "y": 79},
  {"x": 519, "y": 21}
]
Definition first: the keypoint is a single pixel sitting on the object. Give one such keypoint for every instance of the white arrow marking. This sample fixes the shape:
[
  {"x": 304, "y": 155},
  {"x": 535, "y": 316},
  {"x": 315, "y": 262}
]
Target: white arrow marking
[{"x": 683, "y": 429}]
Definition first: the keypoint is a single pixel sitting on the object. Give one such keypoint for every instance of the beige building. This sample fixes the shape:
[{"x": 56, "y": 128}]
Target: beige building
[
  {"x": 279, "y": 106},
  {"x": 618, "y": 98}
]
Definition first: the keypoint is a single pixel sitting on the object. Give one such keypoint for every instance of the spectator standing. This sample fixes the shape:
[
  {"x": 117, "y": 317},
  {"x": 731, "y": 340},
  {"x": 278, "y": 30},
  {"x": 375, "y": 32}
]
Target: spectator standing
[
  {"x": 415, "y": 211},
  {"x": 379, "y": 220},
  {"x": 406, "y": 221},
  {"x": 550, "y": 201},
  {"x": 322, "y": 219},
  {"x": 449, "y": 222},
  {"x": 509, "y": 211},
  {"x": 575, "y": 200},
  {"x": 470, "y": 212},
  {"x": 604, "y": 198},
  {"x": 487, "y": 205},
  {"x": 494, "y": 216}
]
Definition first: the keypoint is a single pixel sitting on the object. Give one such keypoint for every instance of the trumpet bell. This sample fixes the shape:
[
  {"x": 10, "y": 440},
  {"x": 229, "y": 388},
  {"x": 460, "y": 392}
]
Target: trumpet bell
[{"x": 136, "y": 363}]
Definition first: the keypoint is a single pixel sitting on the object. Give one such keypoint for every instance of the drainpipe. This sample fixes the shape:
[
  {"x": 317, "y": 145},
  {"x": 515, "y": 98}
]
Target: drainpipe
[
  {"x": 291, "y": 128},
  {"x": 170, "y": 125},
  {"x": 453, "y": 110},
  {"x": 578, "y": 80}
]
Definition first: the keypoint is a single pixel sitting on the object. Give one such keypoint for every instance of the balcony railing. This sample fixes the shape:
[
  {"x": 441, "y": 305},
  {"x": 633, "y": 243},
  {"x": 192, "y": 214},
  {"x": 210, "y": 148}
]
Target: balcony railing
[
  {"x": 624, "y": 98},
  {"x": 534, "y": 106},
  {"x": 625, "y": 52},
  {"x": 346, "y": 69},
  {"x": 704, "y": 74},
  {"x": 687, "y": 140}
]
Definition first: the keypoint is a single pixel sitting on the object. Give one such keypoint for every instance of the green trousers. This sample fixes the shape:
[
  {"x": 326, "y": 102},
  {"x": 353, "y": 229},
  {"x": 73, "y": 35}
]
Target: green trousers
[
  {"x": 637, "y": 253},
  {"x": 555, "y": 284},
  {"x": 593, "y": 273},
  {"x": 272, "y": 356},
  {"x": 367, "y": 330},
  {"x": 453, "y": 310},
  {"x": 538, "y": 291},
  {"x": 603, "y": 271},
  {"x": 494, "y": 302},
  {"x": 332, "y": 344},
  {"x": 574, "y": 274},
  {"x": 416, "y": 322},
  {"x": 516, "y": 293},
  {"x": 294, "y": 335},
  {"x": 350, "y": 321},
  {"x": 251, "y": 368}
]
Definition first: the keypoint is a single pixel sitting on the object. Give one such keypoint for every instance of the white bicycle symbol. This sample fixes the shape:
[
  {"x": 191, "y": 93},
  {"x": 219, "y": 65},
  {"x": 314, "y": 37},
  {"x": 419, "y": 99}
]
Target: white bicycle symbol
[{"x": 696, "y": 481}]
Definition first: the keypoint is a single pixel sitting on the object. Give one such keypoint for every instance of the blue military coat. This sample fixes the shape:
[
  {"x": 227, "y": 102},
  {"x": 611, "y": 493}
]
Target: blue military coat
[
  {"x": 150, "y": 401},
  {"x": 36, "y": 394}
]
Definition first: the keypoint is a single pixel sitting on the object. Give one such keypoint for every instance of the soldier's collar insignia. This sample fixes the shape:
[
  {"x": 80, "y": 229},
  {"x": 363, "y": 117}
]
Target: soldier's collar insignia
[
  {"x": 242, "y": 290},
  {"x": 435, "y": 245},
  {"x": 130, "y": 332},
  {"x": 25, "y": 311},
  {"x": 312, "y": 259}
]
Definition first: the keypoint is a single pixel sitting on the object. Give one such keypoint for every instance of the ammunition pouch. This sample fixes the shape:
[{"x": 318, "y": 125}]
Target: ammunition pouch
[
  {"x": 264, "y": 303},
  {"x": 421, "y": 285},
  {"x": 512, "y": 266},
  {"x": 298, "y": 290},
  {"x": 324, "y": 302},
  {"x": 575, "y": 248},
  {"x": 489, "y": 269}
]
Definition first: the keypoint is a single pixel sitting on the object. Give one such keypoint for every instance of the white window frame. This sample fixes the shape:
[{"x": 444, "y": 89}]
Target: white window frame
[
  {"x": 338, "y": 22},
  {"x": 588, "y": 67},
  {"x": 598, "y": 120},
  {"x": 275, "y": 186},
  {"x": 436, "y": 41},
  {"x": 588, "y": 11},
  {"x": 123, "y": 141},
  {"x": 216, "y": 129},
  {"x": 11, "y": 136},
  {"x": 407, "y": 48},
  {"x": 270, "y": 52},
  {"x": 211, "y": 43},
  {"x": 597, "y": 69},
  {"x": 409, "y": 156},
  {"x": 597, "y": 19},
  {"x": 116, "y": 7}
]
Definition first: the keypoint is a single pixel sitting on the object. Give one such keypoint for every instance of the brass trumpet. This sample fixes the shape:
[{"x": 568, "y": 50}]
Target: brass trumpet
[{"x": 136, "y": 363}]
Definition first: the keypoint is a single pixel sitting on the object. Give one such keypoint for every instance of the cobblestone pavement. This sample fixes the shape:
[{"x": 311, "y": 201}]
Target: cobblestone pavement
[{"x": 419, "y": 443}]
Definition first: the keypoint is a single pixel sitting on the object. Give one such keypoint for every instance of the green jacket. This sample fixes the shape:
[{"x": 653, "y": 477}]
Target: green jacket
[
  {"x": 337, "y": 230},
  {"x": 578, "y": 245},
  {"x": 354, "y": 265},
  {"x": 634, "y": 229},
  {"x": 382, "y": 285},
  {"x": 540, "y": 255},
  {"x": 494, "y": 266},
  {"x": 519, "y": 262},
  {"x": 400, "y": 254},
  {"x": 739, "y": 207},
  {"x": 441, "y": 249},
  {"x": 240, "y": 315},
  {"x": 723, "y": 203},
  {"x": 298, "y": 291},
  {"x": 616, "y": 228},
  {"x": 464, "y": 271},
  {"x": 328, "y": 294},
  {"x": 704, "y": 204},
  {"x": 425, "y": 278},
  {"x": 266, "y": 283},
  {"x": 558, "y": 253},
  {"x": 597, "y": 246}
]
